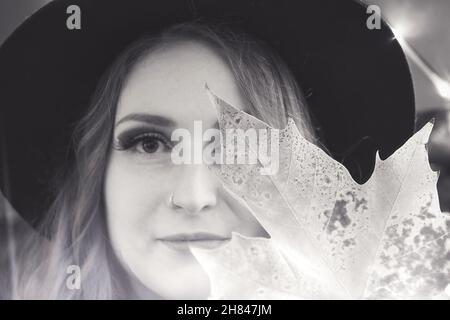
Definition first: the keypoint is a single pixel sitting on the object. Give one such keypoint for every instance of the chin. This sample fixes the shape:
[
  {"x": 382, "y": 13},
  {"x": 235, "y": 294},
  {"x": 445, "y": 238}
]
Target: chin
[
  {"x": 185, "y": 282},
  {"x": 182, "y": 289}
]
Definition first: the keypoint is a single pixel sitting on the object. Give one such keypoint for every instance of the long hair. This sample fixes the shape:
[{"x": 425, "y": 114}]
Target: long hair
[{"x": 76, "y": 221}]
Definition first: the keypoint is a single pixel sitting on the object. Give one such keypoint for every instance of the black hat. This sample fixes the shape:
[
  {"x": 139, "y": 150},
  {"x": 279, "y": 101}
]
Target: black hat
[{"x": 356, "y": 80}]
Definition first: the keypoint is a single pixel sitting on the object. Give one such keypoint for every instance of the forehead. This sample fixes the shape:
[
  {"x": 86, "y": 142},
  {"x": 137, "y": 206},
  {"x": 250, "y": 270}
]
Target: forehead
[{"x": 170, "y": 82}]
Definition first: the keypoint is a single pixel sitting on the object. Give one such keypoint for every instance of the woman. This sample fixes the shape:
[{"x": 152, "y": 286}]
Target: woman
[
  {"x": 125, "y": 158},
  {"x": 122, "y": 211}
]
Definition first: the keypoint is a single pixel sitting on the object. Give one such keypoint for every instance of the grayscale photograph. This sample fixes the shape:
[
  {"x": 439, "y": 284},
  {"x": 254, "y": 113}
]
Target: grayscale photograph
[{"x": 244, "y": 150}]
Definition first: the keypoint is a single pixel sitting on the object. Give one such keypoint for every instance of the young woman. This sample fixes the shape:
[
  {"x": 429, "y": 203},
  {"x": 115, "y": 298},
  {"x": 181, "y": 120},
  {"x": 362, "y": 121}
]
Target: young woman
[
  {"x": 126, "y": 197},
  {"x": 122, "y": 211}
]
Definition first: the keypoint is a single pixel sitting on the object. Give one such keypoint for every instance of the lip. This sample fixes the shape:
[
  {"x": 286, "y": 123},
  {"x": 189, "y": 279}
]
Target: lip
[{"x": 182, "y": 241}]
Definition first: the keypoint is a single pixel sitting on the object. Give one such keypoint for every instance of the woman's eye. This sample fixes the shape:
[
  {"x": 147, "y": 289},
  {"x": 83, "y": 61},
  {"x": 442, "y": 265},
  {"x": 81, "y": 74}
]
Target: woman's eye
[
  {"x": 144, "y": 143},
  {"x": 151, "y": 145}
]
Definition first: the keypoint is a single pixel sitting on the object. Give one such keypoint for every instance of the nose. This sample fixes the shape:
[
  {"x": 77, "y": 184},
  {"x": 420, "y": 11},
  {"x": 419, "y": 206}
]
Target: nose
[{"x": 195, "y": 189}]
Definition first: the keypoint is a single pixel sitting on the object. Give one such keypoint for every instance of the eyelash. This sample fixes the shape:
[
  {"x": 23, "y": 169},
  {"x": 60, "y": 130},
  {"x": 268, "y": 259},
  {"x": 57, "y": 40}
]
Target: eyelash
[{"x": 130, "y": 142}]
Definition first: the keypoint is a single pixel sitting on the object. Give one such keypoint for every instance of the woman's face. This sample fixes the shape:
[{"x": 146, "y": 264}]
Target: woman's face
[{"x": 163, "y": 92}]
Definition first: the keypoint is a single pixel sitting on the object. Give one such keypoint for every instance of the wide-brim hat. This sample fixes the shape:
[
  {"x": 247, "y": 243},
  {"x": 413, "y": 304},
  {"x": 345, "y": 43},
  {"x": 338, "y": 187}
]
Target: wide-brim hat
[{"x": 356, "y": 80}]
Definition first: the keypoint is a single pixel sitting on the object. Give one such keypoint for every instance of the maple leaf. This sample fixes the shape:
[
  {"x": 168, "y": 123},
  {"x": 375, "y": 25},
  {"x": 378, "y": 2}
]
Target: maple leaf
[{"x": 330, "y": 237}]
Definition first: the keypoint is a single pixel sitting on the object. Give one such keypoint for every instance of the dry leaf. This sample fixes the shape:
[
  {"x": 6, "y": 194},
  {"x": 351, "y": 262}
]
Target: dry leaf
[{"x": 331, "y": 237}]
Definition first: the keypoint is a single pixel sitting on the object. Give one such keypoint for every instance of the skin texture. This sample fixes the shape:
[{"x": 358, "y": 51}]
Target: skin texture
[{"x": 169, "y": 82}]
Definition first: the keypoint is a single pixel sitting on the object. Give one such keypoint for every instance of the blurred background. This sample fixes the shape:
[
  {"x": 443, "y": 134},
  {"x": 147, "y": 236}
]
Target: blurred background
[{"x": 425, "y": 26}]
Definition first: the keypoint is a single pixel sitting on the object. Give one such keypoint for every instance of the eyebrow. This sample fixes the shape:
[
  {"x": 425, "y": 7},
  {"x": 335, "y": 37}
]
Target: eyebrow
[{"x": 147, "y": 118}]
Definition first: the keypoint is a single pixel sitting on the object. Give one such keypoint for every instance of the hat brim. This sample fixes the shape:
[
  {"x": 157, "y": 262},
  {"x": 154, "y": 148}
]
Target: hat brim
[{"x": 356, "y": 80}]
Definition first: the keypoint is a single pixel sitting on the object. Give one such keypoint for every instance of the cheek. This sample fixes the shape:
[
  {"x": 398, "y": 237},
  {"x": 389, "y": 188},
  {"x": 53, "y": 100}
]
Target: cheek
[{"x": 133, "y": 194}]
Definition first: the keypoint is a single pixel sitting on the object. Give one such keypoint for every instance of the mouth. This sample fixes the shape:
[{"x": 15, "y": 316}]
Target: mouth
[{"x": 182, "y": 241}]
